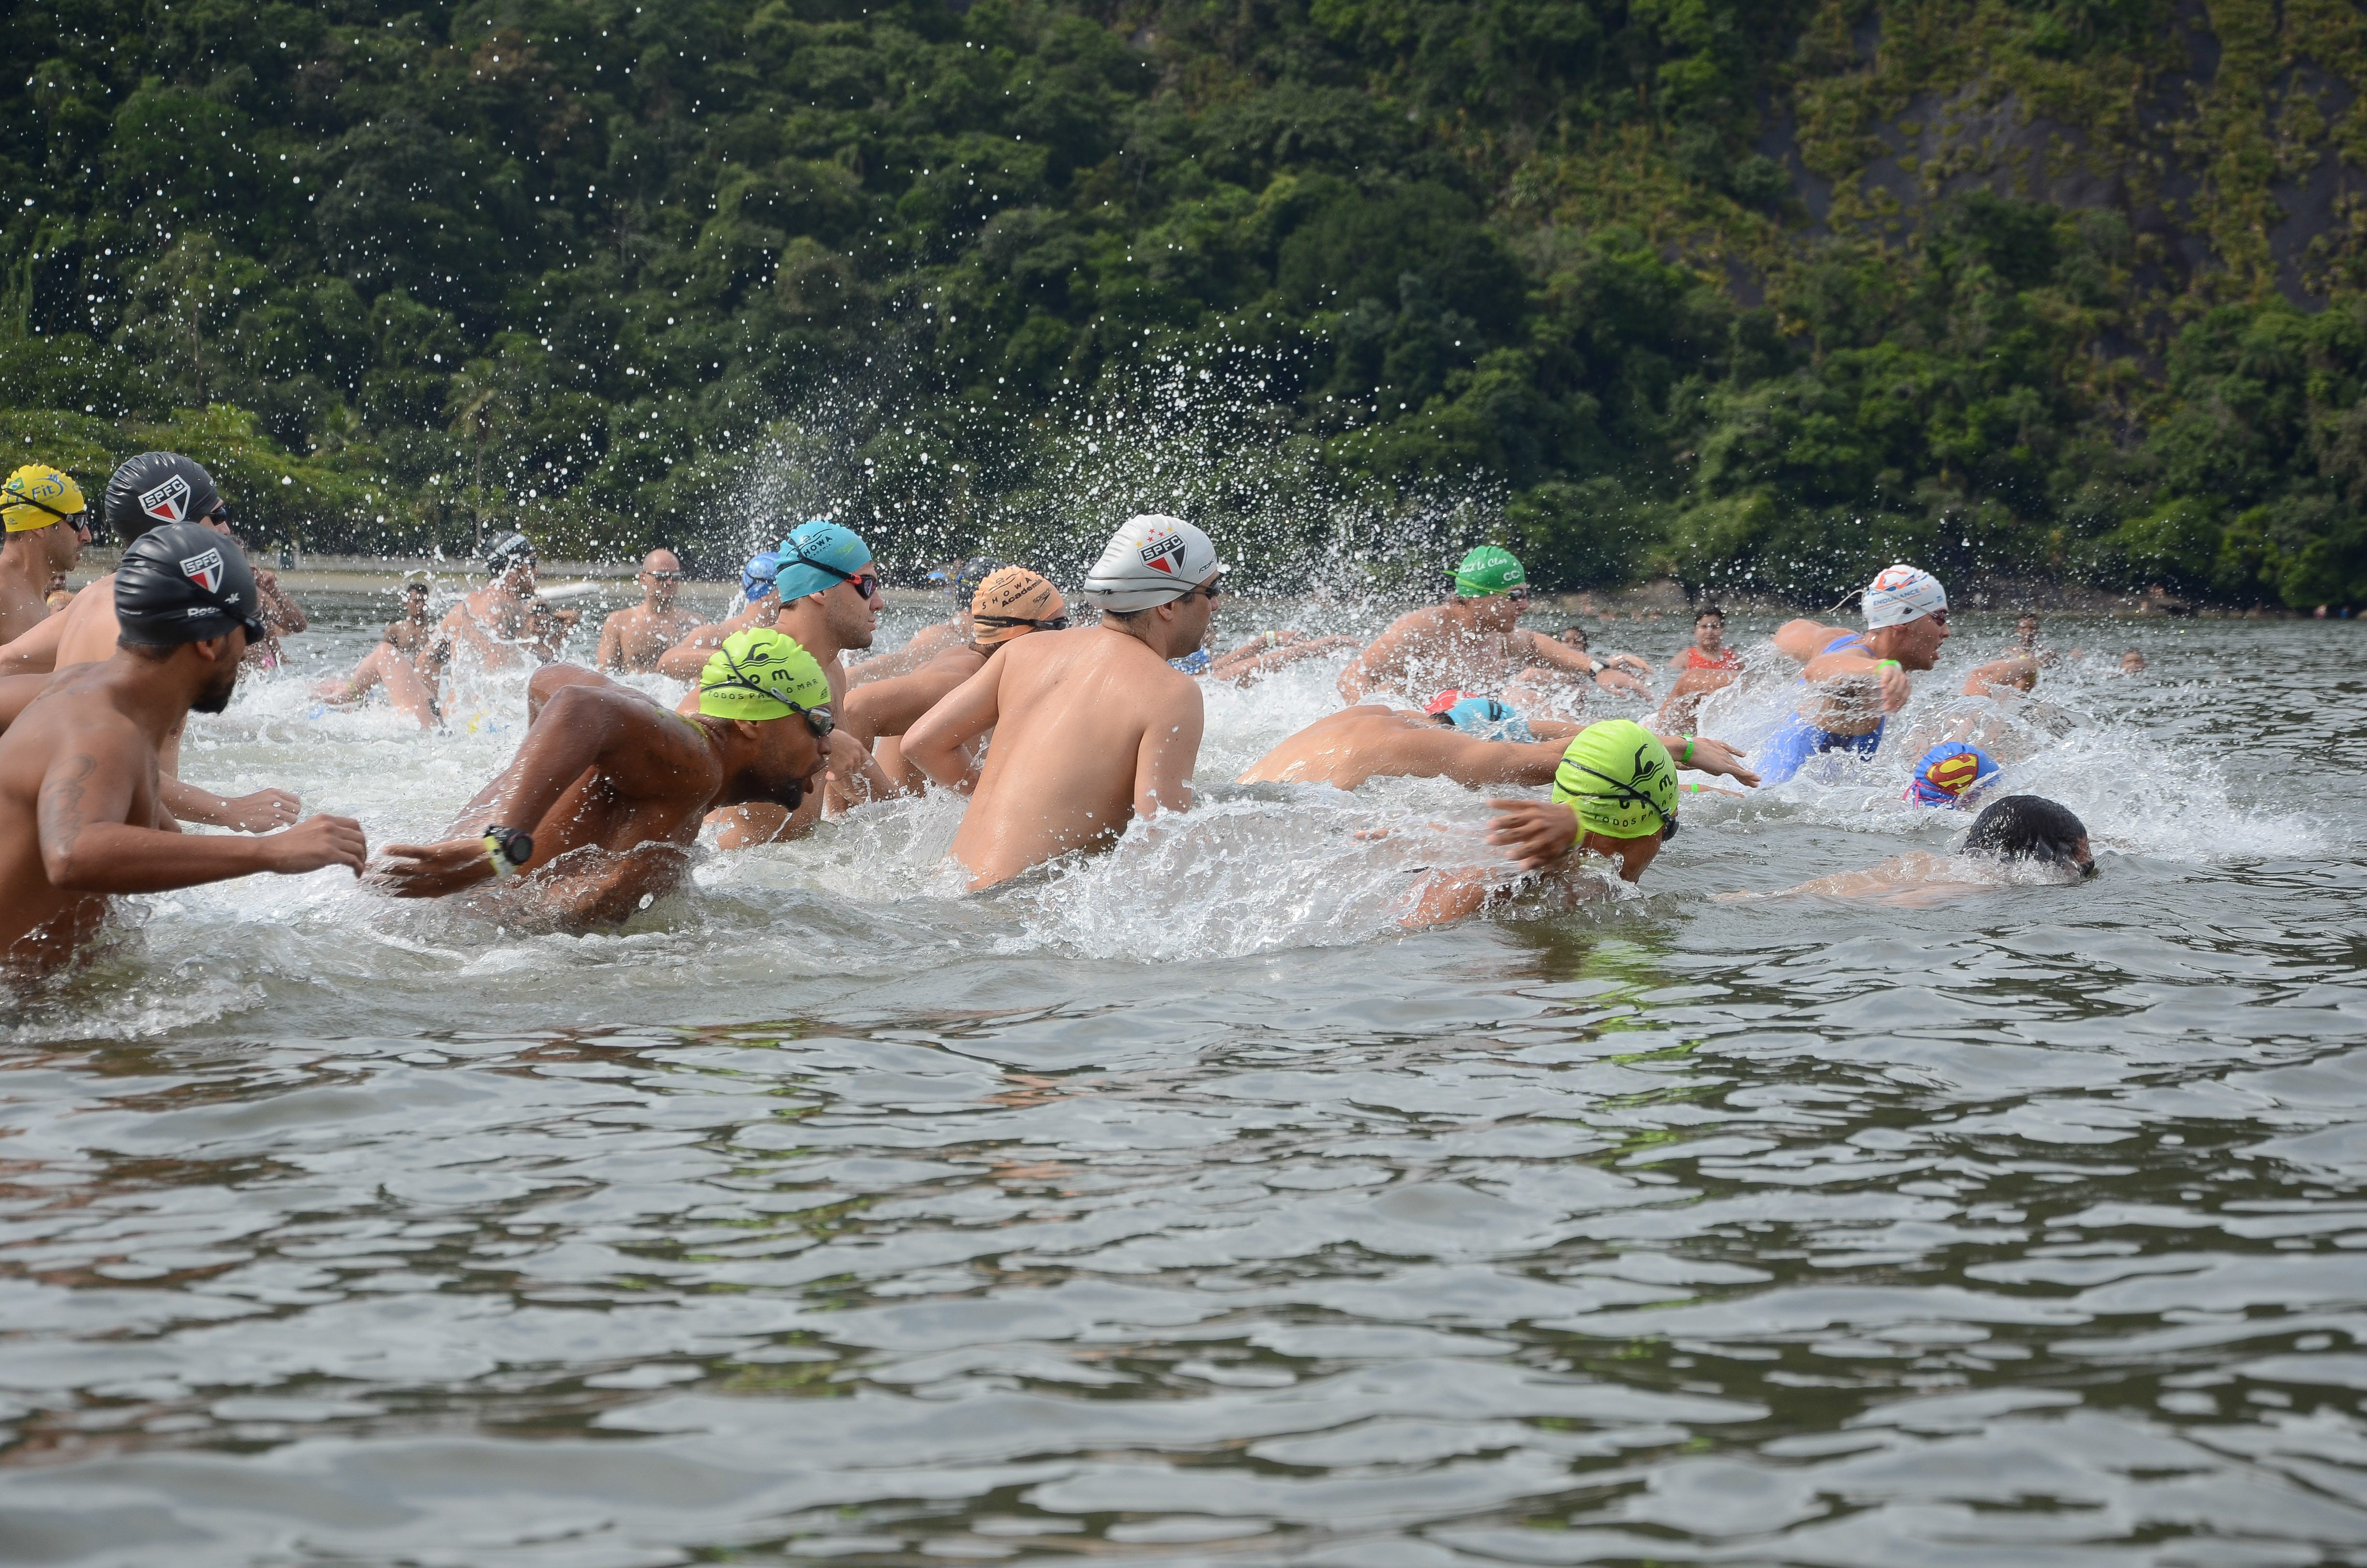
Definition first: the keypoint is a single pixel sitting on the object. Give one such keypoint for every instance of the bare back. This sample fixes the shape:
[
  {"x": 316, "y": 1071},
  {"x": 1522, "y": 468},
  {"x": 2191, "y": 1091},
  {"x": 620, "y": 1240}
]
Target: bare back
[
  {"x": 1091, "y": 728},
  {"x": 636, "y": 638},
  {"x": 1429, "y": 651}
]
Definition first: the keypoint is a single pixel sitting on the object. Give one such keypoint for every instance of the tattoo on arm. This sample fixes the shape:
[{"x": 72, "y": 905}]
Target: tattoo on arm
[{"x": 60, "y": 808}]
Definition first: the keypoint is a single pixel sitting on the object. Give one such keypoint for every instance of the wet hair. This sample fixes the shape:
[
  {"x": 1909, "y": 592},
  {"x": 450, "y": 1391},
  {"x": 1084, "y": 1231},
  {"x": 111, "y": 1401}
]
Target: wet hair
[
  {"x": 1563, "y": 635},
  {"x": 1706, "y": 611},
  {"x": 2026, "y": 827}
]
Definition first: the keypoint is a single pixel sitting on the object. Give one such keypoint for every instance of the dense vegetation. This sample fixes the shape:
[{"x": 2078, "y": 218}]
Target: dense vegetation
[{"x": 1752, "y": 291}]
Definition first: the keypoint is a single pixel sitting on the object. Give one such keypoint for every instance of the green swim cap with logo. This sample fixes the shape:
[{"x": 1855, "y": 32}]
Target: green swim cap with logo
[
  {"x": 1617, "y": 776},
  {"x": 758, "y": 673},
  {"x": 1488, "y": 570}
]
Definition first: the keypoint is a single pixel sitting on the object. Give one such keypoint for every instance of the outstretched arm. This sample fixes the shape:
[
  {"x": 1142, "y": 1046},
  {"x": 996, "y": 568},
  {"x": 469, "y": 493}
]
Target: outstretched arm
[
  {"x": 1710, "y": 756},
  {"x": 938, "y": 742},
  {"x": 2018, "y": 673},
  {"x": 577, "y": 724},
  {"x": 1378, "y": 666},
  {"x": 86, "y": 846},
  {"x": 610, "y": 655},
  {"x": 259, "y": 813}
]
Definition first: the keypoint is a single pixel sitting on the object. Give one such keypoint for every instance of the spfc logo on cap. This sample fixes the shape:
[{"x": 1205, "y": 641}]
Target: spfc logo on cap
[
  {"x": 1164, "y": 554},
  {"x": 169, "y": 502},
  {"x": 205, "y": 571}
]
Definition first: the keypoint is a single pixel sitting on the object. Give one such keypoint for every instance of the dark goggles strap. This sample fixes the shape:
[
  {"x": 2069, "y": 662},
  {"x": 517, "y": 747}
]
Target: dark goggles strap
[
  {"x": 10, "y": 498},
  {"x": 1058, "y": 622},
  {"x": 1625, "y": 791}
]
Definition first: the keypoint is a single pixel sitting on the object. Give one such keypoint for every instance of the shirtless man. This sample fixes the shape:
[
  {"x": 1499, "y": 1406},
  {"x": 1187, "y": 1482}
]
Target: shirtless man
[
  {"x": 828, "y": 603},
  {"x": 635, "y": 639},
  {"x": 604, "y": 769},
  {"x": 47, "y": 524},
  {"x": 147, "y": 492},
  {"x": 82, "y": 812},
  {"x": 1621, "y": 673},
  {"x": 937, "y": 637},
  {"x": 1474, "y": 641},
  {"x": 1852, "y": 683},
  {"x": 495, "y": 625},
  {"x": 1476, "y": 742},
  {"x": 394, "y": 662},
  {"x": 1092, "y": 728},
  {"x": 757, "y": 588},
  {"x": 1011, "y": 604}
]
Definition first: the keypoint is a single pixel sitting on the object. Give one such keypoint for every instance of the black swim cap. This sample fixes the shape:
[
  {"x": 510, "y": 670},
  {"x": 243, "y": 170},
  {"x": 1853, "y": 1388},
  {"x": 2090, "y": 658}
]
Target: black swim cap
[
  {"x": 184, "y": 583},
  {"x": 156, "y": 488},
  {"x": 502, "y": 556},
  {"x": 2026, "y": 827}
]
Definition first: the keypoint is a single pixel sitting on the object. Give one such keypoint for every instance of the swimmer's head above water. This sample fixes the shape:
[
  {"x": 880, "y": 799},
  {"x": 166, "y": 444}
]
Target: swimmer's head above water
[
  {"x": 1620, "y": 783},
  {"x": 1950, "y": 774},
  {"x": 157, "y": 488},
  {"x": 760, "y": 675},
  {"x": 2030, "y": 827},
  {"x": 511, "y": 564},
  {"x": 1013, "y": 602},
  {"x": 1907, "y": 615},
  {"x": 1491, "y": 579},
  {"x": 1489, "y": 718}
]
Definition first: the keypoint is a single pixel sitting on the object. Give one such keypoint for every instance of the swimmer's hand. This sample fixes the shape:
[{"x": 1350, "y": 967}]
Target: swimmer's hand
[
  {"x": 320, "y": 841},
  {"x": 431, "y": 870},
  {"x": 1535, "y": 832},
  {"x": 1896, "y": 687},
  {"x": 1725, "y": 761},
  {"x": 263, "y": 811}
]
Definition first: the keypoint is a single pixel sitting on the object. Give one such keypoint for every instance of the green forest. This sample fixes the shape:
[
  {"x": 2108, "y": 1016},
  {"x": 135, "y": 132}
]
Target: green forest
[{"x": 1757, "y": 294}]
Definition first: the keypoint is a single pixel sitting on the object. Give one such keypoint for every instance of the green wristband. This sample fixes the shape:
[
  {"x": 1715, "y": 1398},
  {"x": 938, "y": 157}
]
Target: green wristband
[
  {"x": 1688, "y": 758},
  {"x": 1888, "y": 663}
]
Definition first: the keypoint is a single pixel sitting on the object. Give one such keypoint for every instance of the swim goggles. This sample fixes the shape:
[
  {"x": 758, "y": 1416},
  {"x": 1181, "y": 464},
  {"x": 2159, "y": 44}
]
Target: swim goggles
[
  {"x": 867, "y": 584},
  {"x": 1058, "y": 623},
  {"x": 1629, "y": 793},
  {"x": 80, "y": 521}
]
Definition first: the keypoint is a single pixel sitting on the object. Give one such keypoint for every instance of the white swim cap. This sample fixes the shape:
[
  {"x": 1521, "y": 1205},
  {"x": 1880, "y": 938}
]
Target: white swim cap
[
  {"x": 1902, "y": 594},
  {"x": 1151, "y": 561}
]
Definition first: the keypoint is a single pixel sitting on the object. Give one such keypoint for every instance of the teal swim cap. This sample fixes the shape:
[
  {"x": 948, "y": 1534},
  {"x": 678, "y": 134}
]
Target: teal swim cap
[{"x": 818, "y": 556}]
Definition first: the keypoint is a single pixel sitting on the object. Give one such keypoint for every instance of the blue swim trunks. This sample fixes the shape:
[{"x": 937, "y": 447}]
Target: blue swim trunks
[{"x": 1786, "y": 752}]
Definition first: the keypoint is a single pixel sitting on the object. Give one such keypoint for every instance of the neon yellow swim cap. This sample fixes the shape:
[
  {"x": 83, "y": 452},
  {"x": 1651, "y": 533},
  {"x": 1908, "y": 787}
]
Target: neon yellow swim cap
[
  {"x": 37, "y": 497},
  {"x": 761, "y": 674},
  {"x": 1617, "y": 776}
]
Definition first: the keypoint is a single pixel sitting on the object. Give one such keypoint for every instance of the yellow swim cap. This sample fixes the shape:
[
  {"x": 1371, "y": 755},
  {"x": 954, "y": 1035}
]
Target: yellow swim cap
[
  {"x": 761, "y": 674},
  {"x": 39, "y": 497},
  {"x": 1617, "y": 776}
]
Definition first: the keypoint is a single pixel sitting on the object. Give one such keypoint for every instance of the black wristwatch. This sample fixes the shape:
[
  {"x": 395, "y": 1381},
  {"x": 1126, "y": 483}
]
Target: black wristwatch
[{"x": 508, "y": 848}]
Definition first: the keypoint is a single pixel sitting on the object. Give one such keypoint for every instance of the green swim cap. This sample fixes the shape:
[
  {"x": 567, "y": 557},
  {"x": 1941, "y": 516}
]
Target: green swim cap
[
  {"x": 758, "y": 673},
  {"x": 1488, "y": 569},
  {"x": 1617, "y": 776}
]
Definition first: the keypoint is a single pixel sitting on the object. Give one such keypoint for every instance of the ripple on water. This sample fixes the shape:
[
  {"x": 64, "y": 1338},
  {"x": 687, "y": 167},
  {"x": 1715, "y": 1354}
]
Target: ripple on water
[{"x": 1182, "y": 1207}]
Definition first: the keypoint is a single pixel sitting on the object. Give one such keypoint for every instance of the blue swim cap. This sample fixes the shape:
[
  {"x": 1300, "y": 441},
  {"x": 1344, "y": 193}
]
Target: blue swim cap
[
  {"x": 1949, "y": 773},
  {"x": 757, "y": 578},
  {"x": 1488, "y": 718},
  {"x": 819, "y": 555}
]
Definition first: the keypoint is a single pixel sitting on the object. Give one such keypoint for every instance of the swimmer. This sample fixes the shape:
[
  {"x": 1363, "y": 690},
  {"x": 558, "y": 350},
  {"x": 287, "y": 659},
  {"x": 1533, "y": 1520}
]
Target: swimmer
[
  {"x": 963, "y": 582},
  {"x": 497, "y": 623},
  {"x": 47, "y": 526},
  {"x": 1093, "y": 727},
  {"x": 2019, "y": 831},
  {"x": 81, "y": 810},
  {"x": 760, "y": 603},
  {"x": 282, "y": 618},
  {"x": 144, "y": 492},
  {"x": 2133, "y": 663},
  {"x": 1951, "y": 775},
  {"x": 605, "y": 768},
  {"x": 59, "y": 595},
  {"x": 828, "y": 603},
  {"x": 2025, "y": 643},
  {"x": 1473, "y": 640},
  {"x": 1008, "y": 604},
  {"x": 1477, "y": 742},
  {"x": 636, "y": 638},
  {"x": 2016, "y": 675},
  {"x": 1615, "y": 803},
  {"x": 1854, "y": 683},
  {"x": 1709, "y": 650},
  {"x": 1616, "y": 672},
  {"x": 394, "y": 664}
]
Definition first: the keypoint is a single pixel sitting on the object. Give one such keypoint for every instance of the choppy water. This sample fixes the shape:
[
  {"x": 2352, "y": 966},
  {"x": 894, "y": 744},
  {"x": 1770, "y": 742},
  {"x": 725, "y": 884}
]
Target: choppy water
[{"x": 1183, "y": 1211}]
